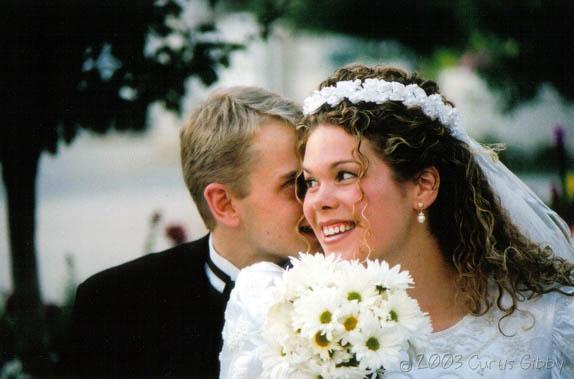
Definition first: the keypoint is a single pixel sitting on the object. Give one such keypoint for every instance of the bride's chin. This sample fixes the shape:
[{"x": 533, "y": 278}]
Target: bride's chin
[{"x": 344, "y": 254}]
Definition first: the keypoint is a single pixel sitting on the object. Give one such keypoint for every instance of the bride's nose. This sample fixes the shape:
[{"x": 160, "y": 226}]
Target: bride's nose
[{"x": 325, "y": 197}]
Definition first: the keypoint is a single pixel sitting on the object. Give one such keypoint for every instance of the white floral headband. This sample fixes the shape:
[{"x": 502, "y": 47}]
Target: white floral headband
[{"x": 379, "y": 91}]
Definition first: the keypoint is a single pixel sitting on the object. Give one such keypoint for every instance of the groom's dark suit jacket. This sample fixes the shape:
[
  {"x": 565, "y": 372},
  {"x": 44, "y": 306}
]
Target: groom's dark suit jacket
[{"x": 156, "y": 316}]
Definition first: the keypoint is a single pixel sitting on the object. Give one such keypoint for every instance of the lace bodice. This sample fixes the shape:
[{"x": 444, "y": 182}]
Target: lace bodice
[{"x": 538, "y": 340}]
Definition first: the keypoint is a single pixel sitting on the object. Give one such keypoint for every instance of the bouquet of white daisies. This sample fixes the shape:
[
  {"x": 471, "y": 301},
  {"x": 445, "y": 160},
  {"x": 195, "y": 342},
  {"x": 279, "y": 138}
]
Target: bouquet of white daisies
[{"x": 332, "y": 318}]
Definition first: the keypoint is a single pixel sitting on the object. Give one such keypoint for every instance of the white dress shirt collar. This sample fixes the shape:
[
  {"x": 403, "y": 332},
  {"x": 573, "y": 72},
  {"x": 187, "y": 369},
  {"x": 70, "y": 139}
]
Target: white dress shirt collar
[{"x": 223, "y": 264}]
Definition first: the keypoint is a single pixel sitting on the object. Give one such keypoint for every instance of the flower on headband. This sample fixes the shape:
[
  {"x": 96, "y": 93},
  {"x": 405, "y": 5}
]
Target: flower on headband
[{"x": 379, "y": 91}]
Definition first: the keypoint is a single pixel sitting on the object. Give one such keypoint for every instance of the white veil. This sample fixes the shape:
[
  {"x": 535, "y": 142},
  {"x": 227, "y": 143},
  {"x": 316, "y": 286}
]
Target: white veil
[{"x": 534, "y": 218}]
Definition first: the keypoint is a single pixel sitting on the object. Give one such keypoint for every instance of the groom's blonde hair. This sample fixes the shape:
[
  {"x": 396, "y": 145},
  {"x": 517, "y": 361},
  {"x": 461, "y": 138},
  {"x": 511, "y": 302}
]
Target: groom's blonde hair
[{"x": 216, "y": 139}]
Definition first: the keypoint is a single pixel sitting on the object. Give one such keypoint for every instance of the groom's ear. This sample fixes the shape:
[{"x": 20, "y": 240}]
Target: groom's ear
[
  {"x": 220, "y": 202},
  {"x": 427, "y": 184}
]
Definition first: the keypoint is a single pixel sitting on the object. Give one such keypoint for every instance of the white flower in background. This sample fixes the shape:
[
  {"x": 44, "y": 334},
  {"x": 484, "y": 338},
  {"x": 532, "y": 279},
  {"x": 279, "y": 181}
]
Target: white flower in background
[{"x": 13, "y": 370}]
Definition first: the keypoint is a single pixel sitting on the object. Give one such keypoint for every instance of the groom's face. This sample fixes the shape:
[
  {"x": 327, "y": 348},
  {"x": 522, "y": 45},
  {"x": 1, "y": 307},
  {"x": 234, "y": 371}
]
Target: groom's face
[{"x": 270, "y": 213}]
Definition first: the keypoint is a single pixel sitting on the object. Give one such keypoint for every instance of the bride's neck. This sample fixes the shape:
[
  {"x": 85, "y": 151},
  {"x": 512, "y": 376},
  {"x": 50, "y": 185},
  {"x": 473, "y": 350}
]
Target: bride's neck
[
  {"x": 435, "y": 284},
  {"x": 435, "y": 290}
]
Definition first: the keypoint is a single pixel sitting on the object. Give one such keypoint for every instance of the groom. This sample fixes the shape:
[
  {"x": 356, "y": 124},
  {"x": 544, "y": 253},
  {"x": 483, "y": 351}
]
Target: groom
[{"x": 162, "y": 315}]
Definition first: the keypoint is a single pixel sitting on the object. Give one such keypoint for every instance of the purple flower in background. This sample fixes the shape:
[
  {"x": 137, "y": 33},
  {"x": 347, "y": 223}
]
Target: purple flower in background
[
  {"x": 558, "y": 132},
  {"x": 176, "y": 233},
  {"x": 554, "y": 195}
]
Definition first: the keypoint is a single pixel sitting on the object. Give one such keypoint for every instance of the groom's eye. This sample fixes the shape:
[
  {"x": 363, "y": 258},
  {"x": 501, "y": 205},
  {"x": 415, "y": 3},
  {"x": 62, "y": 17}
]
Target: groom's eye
[{"x": 289, "y": 182}]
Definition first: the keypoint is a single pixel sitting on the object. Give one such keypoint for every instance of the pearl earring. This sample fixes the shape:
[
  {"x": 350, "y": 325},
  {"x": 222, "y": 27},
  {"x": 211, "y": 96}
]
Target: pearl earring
[{"x": 421, "y": 218}]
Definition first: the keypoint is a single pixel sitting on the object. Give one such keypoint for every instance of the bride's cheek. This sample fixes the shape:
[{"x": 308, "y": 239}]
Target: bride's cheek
[
  {"x": 308, "y": 211},
  {"x": 353, "y": 194}
]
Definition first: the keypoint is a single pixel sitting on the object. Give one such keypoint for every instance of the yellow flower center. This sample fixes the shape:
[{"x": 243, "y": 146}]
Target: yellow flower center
[
  {"x": 373, "y": 344},
  {"x": 350, "y": 323},
  {"x": 393, "y": 315},
  {"x": 354, "y": 296},
  {"x": 321, "y": 339},
  {"x": 325, "y": 317}
]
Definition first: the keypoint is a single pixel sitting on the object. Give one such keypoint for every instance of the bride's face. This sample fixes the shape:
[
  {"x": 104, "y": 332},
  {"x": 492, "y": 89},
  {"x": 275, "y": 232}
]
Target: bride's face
[{"x": 345, "y": 221}]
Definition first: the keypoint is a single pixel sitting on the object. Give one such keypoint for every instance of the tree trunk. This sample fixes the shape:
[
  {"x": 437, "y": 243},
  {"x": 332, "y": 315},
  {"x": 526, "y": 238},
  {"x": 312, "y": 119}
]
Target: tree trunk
[{"x": 19, "y": 171}]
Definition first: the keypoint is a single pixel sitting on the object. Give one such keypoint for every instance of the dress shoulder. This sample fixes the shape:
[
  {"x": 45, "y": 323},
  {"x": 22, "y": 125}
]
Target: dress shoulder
[
  {"x": 251, "y": 287},
  {"x": 563, "y": 337},
  {"x": 244, "y": 316}
]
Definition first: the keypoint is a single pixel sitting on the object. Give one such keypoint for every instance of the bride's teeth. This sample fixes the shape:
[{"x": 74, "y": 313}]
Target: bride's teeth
[{"x": 332, "y": 230}]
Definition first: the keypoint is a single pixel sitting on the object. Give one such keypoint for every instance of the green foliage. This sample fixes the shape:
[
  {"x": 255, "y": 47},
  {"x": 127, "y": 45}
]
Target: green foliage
[
  {"x": 440, "y": 59},
  {"x": 519, "y": 44},
  {"x": 96, "y": 65},
  {"x": 366, "y": 50}
]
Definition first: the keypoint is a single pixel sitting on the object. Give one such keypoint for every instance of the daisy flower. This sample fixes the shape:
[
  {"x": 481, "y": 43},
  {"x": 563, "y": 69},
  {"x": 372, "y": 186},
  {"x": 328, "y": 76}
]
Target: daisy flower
[
  {"x": 387, "y": 277},
  {"x": 308, "y": 272},
  {"x": 317, "y": 313},
  {"x": 406, "y": 313},
  {"x": 354, "y": 286},
  {"x": 374, "y": 345}
]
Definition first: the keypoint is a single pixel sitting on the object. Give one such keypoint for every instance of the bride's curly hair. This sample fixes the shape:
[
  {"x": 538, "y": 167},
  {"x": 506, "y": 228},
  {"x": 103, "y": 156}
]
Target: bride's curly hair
[{"x": 475, "y": 234}]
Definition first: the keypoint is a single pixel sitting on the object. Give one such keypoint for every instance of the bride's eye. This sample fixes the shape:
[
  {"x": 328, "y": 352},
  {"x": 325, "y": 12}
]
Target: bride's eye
[
  {"x": 345, "y": 175},
  {"x": 310, "y": 183}
]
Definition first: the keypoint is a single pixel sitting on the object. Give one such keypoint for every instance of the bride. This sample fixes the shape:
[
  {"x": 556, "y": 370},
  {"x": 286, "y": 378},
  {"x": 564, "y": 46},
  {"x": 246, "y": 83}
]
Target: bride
[{"x": 390, "y": 174}]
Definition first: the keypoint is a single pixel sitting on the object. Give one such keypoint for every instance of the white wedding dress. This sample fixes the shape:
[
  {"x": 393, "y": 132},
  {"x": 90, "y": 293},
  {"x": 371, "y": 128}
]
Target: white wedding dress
[{"x": 539, "y": 340}]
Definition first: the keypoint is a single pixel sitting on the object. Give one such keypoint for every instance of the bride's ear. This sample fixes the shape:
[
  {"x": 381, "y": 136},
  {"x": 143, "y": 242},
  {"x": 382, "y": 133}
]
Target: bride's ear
[
  {"x": 427, "y": 184},
  {"x": 220, "y": 202}
]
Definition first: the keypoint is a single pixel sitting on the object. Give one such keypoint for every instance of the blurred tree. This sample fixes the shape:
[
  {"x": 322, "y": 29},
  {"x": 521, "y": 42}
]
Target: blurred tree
[
  {"x": 96, "y": 65},
  {"x": 515, "y": 44}
]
